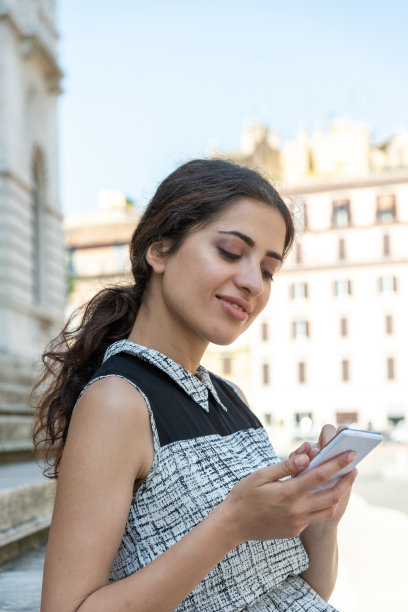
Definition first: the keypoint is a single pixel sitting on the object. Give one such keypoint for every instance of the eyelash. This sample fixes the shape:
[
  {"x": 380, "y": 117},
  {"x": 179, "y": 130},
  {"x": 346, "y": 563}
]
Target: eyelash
[
  {"x": 227, "y": 255},
  {"x": 233, "y": 257},
  {"x": 268, "y": 275}
]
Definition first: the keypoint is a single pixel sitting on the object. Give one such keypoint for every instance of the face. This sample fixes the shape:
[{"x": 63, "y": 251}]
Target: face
[{"x": 219, "y": 280}]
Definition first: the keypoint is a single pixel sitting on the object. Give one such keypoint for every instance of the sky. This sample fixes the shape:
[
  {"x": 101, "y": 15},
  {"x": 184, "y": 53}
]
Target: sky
[{"x": 150, "y": 84}]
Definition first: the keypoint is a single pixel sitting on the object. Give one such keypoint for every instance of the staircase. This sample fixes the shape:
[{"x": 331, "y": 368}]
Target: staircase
[{"x": 26, "y": 497}]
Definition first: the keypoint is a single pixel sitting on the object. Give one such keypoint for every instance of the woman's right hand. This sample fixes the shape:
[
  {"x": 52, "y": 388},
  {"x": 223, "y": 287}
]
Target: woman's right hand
[{"x": 263, "y": 507}]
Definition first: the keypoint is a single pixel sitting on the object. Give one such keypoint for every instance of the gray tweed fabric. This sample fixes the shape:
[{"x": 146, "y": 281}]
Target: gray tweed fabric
[{"x": 187, "y": 480}]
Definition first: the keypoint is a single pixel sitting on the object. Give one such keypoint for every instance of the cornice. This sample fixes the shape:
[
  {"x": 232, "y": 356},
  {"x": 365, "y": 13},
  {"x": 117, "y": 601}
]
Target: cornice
[
  {"x": 31, "y": 46},
  {"x": 389, "y": 177},
  {"x": 12, "y": 176},
  {"x": 351, "y": 265},
  {"x": 22, "y": 184}
]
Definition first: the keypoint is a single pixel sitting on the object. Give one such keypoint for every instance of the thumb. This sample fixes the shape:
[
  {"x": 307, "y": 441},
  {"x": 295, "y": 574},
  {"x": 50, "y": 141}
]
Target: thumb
[{"x": 289, "y": 467}]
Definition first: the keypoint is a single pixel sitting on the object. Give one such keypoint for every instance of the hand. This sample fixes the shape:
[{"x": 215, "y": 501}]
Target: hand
[
  {"x": 261, "y": 507},
  {"x": 311, "y": 449}
]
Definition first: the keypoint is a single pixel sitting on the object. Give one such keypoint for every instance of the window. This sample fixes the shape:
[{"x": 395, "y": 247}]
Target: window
[
  {"x": 299, "y": 215},
  {"x": 394, "y": 419},
  {"x": 386, "y": 245},
  {"x": 387, "y": 284},
  {"x": 346, "y": 418},
  {"x": 304, "y": 421},
  {"x": 264, "y": 331},
  {"x": 342, "y": 248},
  {"x": 343, "y": 327},
  {"x": 298, "y": 290},
  {"x": 38, "y": 275},
  {"x": 345, "y": 370},
  {"x": 386, "y": 208},
  {"x": 389, "y": 324},
  {"x": 267, "y": 418},
  {"x": 298, "y": 253},
  {"x": 266, "y": 377},
  {"x": 300, "y": 329},
  {"x": 226, "y": 365},
  {"x": 342, "y": 287},
  {"x": 341, "y": 213},
  {"x": 390, "y": 368},
  {"x": 301, "y": 372}
]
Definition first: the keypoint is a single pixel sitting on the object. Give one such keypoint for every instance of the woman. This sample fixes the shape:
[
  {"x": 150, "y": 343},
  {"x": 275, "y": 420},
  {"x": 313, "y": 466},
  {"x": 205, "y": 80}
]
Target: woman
[{"x": 169, "y": 493}]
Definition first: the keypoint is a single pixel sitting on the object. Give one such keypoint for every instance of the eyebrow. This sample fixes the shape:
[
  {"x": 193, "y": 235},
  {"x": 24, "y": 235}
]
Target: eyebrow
[{"x": 251, "y": 243}]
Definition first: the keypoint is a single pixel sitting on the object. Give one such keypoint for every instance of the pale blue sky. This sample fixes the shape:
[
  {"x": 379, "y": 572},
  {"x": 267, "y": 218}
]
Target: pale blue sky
[{"x": 151, "y": 83}]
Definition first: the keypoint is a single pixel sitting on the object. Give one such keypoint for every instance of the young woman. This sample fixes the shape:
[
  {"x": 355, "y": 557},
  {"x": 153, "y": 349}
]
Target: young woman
[{"x": 169, "y": 492}]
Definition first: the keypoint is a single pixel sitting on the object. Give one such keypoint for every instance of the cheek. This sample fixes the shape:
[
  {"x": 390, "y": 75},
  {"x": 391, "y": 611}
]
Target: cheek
[{"x": 264, "y": 298}]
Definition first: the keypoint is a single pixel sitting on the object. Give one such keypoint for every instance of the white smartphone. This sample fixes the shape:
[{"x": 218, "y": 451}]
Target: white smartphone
[{"x": 358, "y": 440}]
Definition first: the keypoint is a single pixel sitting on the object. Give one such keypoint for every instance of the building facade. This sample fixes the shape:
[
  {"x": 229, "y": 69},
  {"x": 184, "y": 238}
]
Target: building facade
[
  {"x": 32, "y": 267},
  {"x": 97, "y": 246},
  {"x": 331, "y": 345},
  {"x": 32, "y": 270}
]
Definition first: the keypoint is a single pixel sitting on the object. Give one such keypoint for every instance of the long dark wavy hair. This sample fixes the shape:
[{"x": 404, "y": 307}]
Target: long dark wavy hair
[{"x": 188, "y": 199}]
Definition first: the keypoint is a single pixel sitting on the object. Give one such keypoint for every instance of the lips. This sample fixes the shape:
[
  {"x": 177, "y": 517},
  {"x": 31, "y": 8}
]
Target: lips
[{"x": 238, "y": 303}]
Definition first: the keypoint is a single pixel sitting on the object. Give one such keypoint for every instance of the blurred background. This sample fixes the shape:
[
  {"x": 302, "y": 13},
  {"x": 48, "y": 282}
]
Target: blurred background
[{"x": 99, "y": 101}]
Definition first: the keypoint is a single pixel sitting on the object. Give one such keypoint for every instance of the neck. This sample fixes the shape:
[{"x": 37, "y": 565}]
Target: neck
[{"x": 152, "y": 329}]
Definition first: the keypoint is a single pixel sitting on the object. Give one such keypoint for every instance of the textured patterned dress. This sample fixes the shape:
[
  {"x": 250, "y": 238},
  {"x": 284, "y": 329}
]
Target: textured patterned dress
[{"x": 205, "y": 440}]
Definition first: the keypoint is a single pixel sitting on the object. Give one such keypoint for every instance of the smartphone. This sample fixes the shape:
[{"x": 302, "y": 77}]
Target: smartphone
[{"x": 358, "y": 440}]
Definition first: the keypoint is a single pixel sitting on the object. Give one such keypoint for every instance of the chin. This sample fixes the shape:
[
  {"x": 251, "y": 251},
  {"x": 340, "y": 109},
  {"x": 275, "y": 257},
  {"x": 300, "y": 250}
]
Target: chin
[{"x": 223, "y": 339}]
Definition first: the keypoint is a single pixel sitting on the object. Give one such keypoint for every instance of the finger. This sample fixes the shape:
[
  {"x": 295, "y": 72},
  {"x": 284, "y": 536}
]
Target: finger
[
  {"x": 303, "y": 448},
  {"x": 314, "y": 450},
  {"x": 330, "y": 497},
  {"x": 323, "y": 473},
  {"x": 289, "y": 467},
  {"x": 328, "y": 432},
  {"x": 321, "y": 515}
]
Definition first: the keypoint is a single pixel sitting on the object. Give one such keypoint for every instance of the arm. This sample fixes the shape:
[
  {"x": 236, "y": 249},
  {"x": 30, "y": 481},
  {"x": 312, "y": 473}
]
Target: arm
[
  {"x": 320, "y": 539},
  {"x": 320, "y": 543},
  {"x": 109, "y": 446}
]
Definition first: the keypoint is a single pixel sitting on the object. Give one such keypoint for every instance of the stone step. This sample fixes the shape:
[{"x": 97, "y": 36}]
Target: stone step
[
  {"x": 26, "y": 502},
  {"x": 15, "y": 409},
  {"x": 15, "y": 438},
  {"x": 15, "y": 428},
  {"x": 20, "y": 582},
  {"x": 17, "y": 376},
  {"x": 12, "y": 393}
]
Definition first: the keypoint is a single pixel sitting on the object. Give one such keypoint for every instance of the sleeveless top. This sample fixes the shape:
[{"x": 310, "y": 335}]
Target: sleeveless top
[{"x": 205, "y": 440}]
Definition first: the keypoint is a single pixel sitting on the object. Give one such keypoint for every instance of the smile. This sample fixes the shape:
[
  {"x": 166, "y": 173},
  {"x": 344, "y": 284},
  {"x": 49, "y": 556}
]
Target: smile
[{"x": 238, "y": 308}]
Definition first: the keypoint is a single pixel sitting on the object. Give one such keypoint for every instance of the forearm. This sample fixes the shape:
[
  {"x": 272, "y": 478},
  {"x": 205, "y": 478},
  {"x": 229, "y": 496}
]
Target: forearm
[
  {"x": 320, "y": 542},
  {"x": 163, "y": 584}
]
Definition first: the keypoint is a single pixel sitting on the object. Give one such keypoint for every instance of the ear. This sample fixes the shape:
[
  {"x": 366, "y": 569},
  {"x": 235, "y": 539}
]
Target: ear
[{"x": 156, "y": 255}]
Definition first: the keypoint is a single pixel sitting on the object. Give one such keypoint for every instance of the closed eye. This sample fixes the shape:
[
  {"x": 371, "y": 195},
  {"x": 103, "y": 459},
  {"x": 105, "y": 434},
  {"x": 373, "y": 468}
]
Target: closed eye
[
  {"x": 235, "y": 257},
  {"x": 228, "y": 255},
  {"x": 267, "y": 275}
]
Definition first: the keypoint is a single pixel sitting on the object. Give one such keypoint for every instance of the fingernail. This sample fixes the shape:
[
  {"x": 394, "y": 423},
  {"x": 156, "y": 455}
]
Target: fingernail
[
  {"x": 301, "y": 461},
  {"x": 351, "y": 456},
  {"x": 301, "y": 448}
]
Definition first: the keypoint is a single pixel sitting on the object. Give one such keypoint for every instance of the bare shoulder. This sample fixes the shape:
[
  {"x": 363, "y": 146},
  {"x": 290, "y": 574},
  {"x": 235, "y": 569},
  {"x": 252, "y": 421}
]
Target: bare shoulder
[
  {"x": 112, "y": 415},
  {"x": 109, "y": 446},
  {"x": 240, "y": 393},
  {"x": 237, "y": 390}
]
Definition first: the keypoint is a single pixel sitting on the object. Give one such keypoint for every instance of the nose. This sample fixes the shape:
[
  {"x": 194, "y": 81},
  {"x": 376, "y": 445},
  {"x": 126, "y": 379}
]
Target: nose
[{"x": 250, "y": 279}]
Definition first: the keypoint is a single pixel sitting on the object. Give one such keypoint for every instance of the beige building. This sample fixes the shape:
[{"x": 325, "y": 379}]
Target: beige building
[
  {"x": 332, "y": 344},
  {"x": 344, "y": 150},
  {"x": 330, "y": 347},
  {"x": 98, "y": 247},
  {"x": 32, "y": 269},
  {"x": 32, "y": 290}
]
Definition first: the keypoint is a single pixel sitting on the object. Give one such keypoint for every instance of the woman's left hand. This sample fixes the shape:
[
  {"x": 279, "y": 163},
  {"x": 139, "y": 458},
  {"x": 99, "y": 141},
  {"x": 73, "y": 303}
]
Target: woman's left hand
[{"x": 311, "y": 449}]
